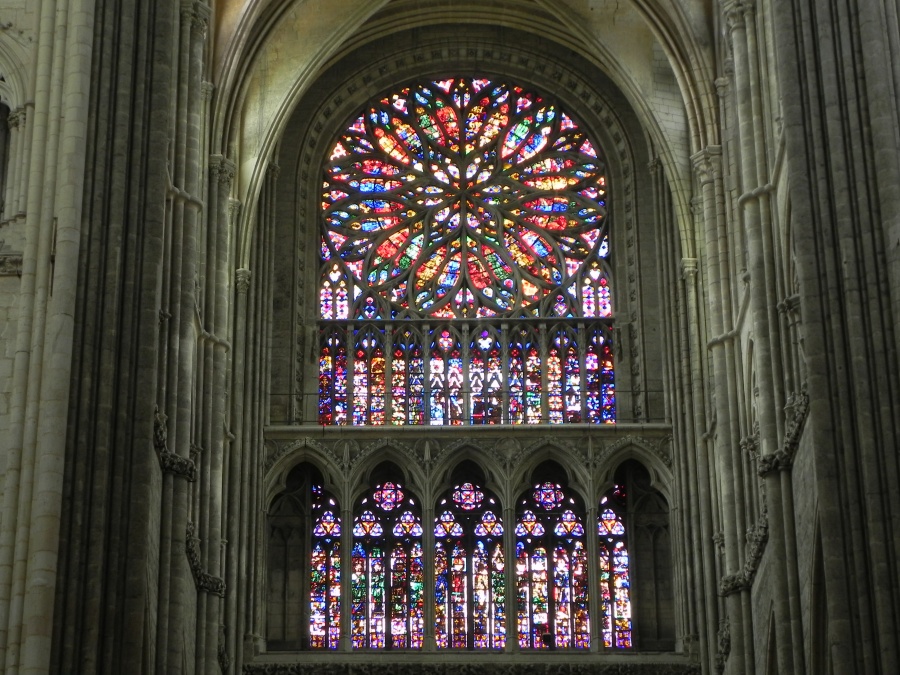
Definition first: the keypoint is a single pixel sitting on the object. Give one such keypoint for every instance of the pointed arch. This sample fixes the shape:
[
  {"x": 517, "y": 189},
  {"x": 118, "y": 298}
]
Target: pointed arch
[
  {"x": 289, "y": 455},
  {"x": 304, "y": 552},
  {"x": 470, "y": 608},
  {"x": 387, "y": 450},
  {"x": 552, "y": 581},
  {"x": 653, "y": 458}
]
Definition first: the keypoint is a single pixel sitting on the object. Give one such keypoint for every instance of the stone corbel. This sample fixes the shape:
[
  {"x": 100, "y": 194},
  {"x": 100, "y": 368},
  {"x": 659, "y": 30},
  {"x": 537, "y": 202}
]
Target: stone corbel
[
  {"x": 169, "y": 461},
  {"x": 204, "y": 581},
  {"x": 742, "y": 580},
  {"x": 797, "y": 409}
]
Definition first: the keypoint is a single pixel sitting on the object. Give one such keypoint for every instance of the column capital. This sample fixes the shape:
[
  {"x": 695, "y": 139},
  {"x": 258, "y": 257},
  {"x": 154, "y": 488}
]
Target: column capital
[
  {"x": 17, "y": 118},
  {"x": 707, "y": 163},
  {"x": 234, "y": 208},
  {"x": 198, "y": 14},
  {"x": 689, "y": 267},
  {"x": 723, "y": 85},
  {"x": 736, "y": 12},
  {"x": 222, "y": 169},
  {"x": 242, "y": 280}
]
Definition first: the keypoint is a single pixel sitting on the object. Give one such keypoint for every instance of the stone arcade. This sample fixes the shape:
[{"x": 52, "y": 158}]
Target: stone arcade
[{"x": 604, "y": 379}]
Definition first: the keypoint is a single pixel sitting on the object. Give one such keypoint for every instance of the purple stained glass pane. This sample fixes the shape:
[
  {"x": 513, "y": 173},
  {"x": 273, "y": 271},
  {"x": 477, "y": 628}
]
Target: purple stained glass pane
[
  {"x": 468, "y": 496},
  {"x": 548, "y": 495},
  {"x": 388, "y": 496}
]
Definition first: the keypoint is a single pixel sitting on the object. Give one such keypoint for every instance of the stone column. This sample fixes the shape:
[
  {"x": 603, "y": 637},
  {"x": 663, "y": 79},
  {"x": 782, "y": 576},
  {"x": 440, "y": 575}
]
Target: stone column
[{"x": 754, "y": 211}]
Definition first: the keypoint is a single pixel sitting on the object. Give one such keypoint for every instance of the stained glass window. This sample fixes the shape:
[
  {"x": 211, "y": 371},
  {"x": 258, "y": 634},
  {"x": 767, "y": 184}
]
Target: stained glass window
[
  {"x": 325, "y": 573},
  {"x": 551, "y": 570},
  {"x": 465, "y": 262},
  {"x": 615, "y": 580},
  {"x": 469, "y": 569},
  {"x": 387, "y": 571}
]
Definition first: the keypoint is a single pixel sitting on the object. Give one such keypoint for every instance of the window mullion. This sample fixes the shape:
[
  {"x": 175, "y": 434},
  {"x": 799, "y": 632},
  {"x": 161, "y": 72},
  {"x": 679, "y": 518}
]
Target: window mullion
[
  {"x": 467, "y": 381},
  {"x": 593, "y": 554},
  {"x": 346, "y": 579},
  {"x": 545, "y": 380},
  {"x": 582, "y": 364},
  {"x": 426, "y": 367},
  {"x": 504, "y": 383},
  {"x": 389, "y": 375}
]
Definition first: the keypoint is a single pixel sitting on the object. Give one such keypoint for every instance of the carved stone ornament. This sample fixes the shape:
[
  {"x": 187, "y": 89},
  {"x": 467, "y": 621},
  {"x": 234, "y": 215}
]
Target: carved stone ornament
[
  {"x": 757, "y": 537},
  {"x": 724, "y": 649},
  {"x": 222, "y": 653},
  {"x": 733, "y": 583},
  {"x": 198, "y": 14},
  {"x": 719, "y": 540},
  {"x": 160, "y": 430},
  {"x": 204, "y": 581},
  {"x": 178, "y": 465},
  {"x": 242, "y": 280},
  {"x": 169, "y": 461},
  {"x": 593, "y": 667},
  {"x": 11, "y": 265},
  {"x": 796, "y": 410}
]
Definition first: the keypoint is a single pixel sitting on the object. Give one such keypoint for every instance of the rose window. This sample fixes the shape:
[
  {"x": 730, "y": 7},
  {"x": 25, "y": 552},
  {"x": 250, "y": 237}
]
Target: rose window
[{"x": 455, "y": 214}]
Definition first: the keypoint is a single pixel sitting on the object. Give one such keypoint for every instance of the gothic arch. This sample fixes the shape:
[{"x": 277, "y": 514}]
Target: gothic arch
[
  {"x": 277, "y": 65},
  {"x": 336, "y": 97},
  {"x": 494, "y": 480},
  {"x": 640, "y": 450},
  {"x": 13, "y": 74},
  {"x": 454, "y": 453},
  {"x": 292, "y": 454},
  {"x": 387, "y": 450},
  {"x": 566, "y": 457}
]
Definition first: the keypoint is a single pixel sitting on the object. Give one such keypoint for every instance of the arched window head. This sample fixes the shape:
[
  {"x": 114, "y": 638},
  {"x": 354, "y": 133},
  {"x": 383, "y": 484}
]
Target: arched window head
[
  {"x": 464, "y": 242},
  {"x": 470, "y": 588},
  {"x": 615, "y": 571},
  {"x": 551, "y": 569},
  {"x": 387, "y": 570}
]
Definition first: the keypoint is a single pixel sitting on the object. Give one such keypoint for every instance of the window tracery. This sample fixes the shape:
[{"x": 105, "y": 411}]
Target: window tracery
[
  {"x": 551, "y": 570},
  {"x": 469, "y": 571},
  {"x": 387, "y": 571},
  {"x": 615, "y": 576},
  {"x": 464, "y": 243},
  {"x": 544, "y": 580}
]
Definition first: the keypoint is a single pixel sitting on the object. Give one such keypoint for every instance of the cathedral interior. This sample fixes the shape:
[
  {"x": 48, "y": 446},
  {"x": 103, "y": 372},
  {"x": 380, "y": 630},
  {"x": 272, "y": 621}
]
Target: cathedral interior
[{"x": 450, "y": 336}]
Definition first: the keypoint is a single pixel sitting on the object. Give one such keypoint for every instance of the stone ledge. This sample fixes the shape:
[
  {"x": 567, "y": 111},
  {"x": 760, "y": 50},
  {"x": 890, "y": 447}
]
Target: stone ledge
[{"x": 523, "y": 665}]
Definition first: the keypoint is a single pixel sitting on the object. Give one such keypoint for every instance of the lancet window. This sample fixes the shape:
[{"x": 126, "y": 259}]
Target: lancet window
[
  {"x": 552, "y": 586},
  {"x": 539, "y": 593},
  {"x": 304, "y": 565},
  {"x": 615, "y": 577},
  {"x": 387, "y": 571},
  {"x": 465, "y": 274},
  {"x": 469, "y": 571}
]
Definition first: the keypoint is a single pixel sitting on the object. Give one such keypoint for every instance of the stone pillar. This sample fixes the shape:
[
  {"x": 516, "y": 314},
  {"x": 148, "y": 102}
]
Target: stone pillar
[{"x": 754, "y": 212}]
